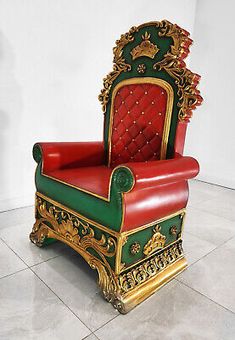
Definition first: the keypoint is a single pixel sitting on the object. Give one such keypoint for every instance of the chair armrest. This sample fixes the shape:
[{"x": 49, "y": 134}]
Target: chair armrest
[
  {"x": 58, "y": 155},
  {"x": 155, "y": 173}
]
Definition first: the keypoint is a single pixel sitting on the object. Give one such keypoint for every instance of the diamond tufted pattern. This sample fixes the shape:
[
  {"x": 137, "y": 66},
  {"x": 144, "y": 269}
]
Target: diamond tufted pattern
[{"x": 138, "y": 122}]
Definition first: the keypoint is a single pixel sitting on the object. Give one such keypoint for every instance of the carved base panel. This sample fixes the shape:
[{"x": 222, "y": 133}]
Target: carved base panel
[{"x": 124, "y": 290}]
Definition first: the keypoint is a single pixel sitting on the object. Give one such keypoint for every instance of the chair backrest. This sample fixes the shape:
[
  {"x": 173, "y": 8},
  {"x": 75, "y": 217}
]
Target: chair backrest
[{"x": 149, "y": 96}]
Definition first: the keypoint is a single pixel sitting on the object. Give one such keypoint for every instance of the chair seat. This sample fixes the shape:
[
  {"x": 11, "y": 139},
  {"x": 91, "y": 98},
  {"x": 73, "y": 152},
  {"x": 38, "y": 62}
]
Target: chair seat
[
  {"x": 141, "y": 207},
  {"x": 93, "y": 179}
]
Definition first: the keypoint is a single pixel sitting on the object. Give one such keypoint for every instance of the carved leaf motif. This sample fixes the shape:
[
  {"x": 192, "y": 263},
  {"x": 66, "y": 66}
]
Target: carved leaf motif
[{"x": 68, "y": 226}]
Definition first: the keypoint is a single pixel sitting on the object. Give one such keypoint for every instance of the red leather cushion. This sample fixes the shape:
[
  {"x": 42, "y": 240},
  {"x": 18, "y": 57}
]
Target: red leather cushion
[
  {"x": 94, "y": 179},
  {"x": 138, "y": 122}
]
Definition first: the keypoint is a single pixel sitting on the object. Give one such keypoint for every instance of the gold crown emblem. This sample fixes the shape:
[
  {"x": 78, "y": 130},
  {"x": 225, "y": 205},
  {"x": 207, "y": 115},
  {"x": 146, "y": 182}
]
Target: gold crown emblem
[
  {"x": 145, "y": 48},
  {"x": 156, "y": 242}
]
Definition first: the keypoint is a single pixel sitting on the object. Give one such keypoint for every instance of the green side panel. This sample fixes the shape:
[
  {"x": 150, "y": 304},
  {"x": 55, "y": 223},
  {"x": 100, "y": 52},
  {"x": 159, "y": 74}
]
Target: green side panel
[
  {"x": 143, "y": 236},
  {"x": 164, "y": 45},
  {"x": 106, "y": 213}
]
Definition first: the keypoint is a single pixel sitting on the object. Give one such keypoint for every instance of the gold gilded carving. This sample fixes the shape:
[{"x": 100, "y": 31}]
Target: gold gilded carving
[
  {"x": 145, "y": 48},
  {"x": 119, "y": 66},
  {"x": 173, "y": 230},
  {"x": 135, "y": 248},
  {"x": 149, "y": 268},
  {"x": 141, "y": 68},
  {"x": 173, "y": 64},
  {"x": 68, "y": 226},
  {"x": 156, "y": 242}
]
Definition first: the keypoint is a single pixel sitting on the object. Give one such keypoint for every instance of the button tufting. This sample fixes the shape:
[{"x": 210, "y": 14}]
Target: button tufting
[{"x": 137, "y": 118}]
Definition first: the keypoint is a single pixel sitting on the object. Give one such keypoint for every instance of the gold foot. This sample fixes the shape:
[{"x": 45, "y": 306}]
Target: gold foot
[{"x": 39, "y": 233}]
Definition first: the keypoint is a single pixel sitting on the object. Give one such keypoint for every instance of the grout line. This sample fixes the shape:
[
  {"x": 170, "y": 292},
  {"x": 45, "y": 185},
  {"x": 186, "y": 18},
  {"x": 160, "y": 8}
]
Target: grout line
[
  {"x": 18, "y": 271},
  {"x": 207, "y": 297},
  {"x": 45, "y": 284},
  {"x": 118, "y": 315},
  {"x": 216, "y": 185},
  {"x": 211, "y": 251},
  {"x": 25, "y": 206},
  {"x": 59, "y": 298}
]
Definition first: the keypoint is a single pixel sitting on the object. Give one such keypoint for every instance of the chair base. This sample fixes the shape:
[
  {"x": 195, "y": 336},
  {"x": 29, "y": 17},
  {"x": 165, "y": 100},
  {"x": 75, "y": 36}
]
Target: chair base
[{"x": 124, "y": 290}]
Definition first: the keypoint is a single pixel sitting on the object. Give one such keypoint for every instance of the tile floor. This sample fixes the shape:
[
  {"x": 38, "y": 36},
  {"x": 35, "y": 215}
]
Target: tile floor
[{"x": 50, "y": 293}]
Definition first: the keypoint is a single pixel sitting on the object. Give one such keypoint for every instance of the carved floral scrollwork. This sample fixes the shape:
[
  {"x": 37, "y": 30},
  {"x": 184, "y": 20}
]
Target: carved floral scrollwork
[
  {"x": 68, "y": 226},
  {"x": 119, "y": 66},
  {"x": 147, "y": 269},
  {"x": 173, "y": 64}
]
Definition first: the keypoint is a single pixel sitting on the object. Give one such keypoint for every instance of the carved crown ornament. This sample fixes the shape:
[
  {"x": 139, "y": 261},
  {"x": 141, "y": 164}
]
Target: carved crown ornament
[
  {"x": 172, "y": 63},
  {"x": 156, "y": 242},
  {"x": 145, "y": 48}
]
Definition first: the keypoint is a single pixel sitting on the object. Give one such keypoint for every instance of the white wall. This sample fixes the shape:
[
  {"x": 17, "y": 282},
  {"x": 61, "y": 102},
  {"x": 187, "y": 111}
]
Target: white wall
[
  {"x": 53, "y": 56},
  {"x": 211, "y": 133}
]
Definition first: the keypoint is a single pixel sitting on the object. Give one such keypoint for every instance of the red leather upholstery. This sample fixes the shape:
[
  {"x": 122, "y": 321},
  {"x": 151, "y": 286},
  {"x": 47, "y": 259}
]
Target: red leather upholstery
[
  {"x": 71, "y": 155},
  {"x": 148, "y": 205},
  {"x": 138, "y": 122},
  {"x": 157, "y": 173},
  {"x": 160, "y": 189},
  {"x": 94, "y": 179}
]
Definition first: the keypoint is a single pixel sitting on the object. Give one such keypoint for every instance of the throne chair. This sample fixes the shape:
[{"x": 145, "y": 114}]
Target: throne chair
[{"x": 120, "y": 203}]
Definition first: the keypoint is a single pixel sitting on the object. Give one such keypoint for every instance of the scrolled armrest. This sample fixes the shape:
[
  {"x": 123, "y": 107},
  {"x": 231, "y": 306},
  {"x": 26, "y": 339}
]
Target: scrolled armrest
[
  {"x": 56, "y": 155},
  {"x": 155, "y": 173},
  {"x": 122, "y": 179}
]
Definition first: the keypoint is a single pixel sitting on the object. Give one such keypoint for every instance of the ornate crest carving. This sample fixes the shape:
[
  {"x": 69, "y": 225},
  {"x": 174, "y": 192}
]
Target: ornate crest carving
[
  {"x": 145, "y": 48},
  {"x": 173, "y": 64},
  {"x": 119, "y": 66},
  {"x": 156, "y": 242}
]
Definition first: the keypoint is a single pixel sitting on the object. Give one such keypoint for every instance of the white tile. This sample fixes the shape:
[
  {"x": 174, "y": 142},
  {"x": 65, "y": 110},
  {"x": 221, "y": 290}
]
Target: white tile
[
  {"x": 223, "y": 206},
  {"x": 9, "y": 261},
  {"x": 17, "y": 237},
  {"x": 29, "y": 310},
  {"x": 174, "y": 312},
  {"x": 200, "y": 192},
  {"x": 214, "y": 275},
  {"x": 71, "y": 278},
  {"x": 195, "y": 248},
  {"x": 17, "y": 216},
  {"x": 209, "y": 227}
]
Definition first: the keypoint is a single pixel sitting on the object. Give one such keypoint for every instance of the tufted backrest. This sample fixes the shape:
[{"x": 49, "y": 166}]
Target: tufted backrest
[
  {"x": 149, "y": 96},
  {"x": 140, "y": 121}
]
